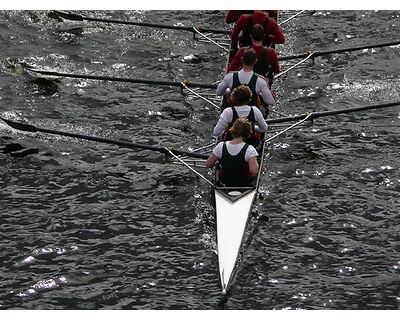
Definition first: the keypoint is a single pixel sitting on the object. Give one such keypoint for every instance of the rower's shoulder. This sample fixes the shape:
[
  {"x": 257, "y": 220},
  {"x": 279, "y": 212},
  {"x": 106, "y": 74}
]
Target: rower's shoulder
[
  {"x": 272, "y": 22},
  {"x": 256, "y": 109},
  {"x": 243, "y": 18},
  {"x": 219, "y": 146},
  {"x": 252, "y": 151},
  {"x": 272, "y": 52},
  {"x": 230, "y": 74},
  {"x": 260, "y": 76}
]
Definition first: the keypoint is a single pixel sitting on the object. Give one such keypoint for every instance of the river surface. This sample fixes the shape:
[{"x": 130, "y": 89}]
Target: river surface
[{"x": 87, "y": 225}]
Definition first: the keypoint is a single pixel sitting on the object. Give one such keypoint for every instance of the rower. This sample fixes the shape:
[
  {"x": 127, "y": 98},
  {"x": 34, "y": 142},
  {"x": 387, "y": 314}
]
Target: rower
[
  {"x": 237, "y": 158},
  {"x": 241, "y": 97},
  {"x": 273, "y": 33},
  {"x": 233, "y": 15},
  {"x": 247, "y": 76},
  {"x": 267, "y": 63}
]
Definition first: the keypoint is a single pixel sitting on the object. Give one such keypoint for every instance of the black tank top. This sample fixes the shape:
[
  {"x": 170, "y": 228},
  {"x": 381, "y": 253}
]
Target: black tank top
[
  {"x": 235, "y": 168},
  {"x": 249, "y": 117},
  {"x": 262, "y": 65},
  {"x": 252, "y": 85}
]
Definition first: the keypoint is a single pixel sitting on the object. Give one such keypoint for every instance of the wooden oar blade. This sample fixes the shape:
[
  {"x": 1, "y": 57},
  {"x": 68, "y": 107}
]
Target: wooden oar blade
[
  {"x": 68, "y": 16},
  {"x": 20, "y": 126}
]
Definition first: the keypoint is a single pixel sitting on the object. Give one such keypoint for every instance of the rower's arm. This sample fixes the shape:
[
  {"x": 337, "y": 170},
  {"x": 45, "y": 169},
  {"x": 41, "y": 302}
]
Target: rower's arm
[
  {"x": 262, "y": 125},
  {"x": 265, "y": 92},
  {"x": 239, "y": 26},
  {"x": 232, "y": 16},
  {"x": 273, "y": 57},
  {"x": 224, "y": 119},
  {"x": 212, "y": 160},
  {"x": 253, "y": 166},
  {"x": 224, "y": 85},
  {"x": 236, "y": 63},
  {"x": 276, "y": 31}
]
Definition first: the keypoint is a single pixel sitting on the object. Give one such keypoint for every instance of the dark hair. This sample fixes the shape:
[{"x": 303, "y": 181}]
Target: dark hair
[
  {"x": 249, "y": 57},
  {"x": 257, "y": 32},
  {"x": 241, "y": 128},
  {"x": 241, "y": 95}
]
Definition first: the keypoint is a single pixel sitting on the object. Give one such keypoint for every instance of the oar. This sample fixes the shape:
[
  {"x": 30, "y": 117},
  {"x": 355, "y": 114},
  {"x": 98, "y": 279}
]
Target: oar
[
  {"x": 292, "y": 17},
  {"x": 130, "y": 80},
  {"x": 322, "y": 53},
  {"x": 314, "y": 115},
  {"x": 166, "y": 151},
  {"x": 78, "y": 17}
]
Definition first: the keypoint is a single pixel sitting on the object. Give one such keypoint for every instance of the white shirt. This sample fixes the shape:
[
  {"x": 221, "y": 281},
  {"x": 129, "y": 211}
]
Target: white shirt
[
  {"x": 244, "y": 78},
  {"x": 234, "y": 149},
  {"x": 243, "y": 111}
]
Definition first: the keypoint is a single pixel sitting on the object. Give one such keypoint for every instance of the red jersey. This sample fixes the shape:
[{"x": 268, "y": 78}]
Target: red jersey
[
  {"x": 273, "y": 32},
  {"x": 234, "y": 15}
]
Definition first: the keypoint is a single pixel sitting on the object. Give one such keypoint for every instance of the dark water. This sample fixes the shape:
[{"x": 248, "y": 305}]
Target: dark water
[{"x": 92, "y": 226}]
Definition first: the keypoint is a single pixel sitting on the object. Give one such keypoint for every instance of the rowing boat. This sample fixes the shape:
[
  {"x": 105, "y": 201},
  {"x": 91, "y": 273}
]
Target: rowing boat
[{"x": 233, "y": 208}]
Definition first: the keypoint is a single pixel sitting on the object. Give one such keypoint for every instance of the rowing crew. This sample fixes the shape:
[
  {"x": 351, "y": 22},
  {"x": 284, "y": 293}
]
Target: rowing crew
[
  {"x": 242, "y": 128},
  {"x": 241, "y": 125},
  {"x": 252, "y": 66}
]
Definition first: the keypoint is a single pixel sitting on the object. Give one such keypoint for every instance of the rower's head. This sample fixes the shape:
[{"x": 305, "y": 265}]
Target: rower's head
[
  {"x": 257, "y": 33},
  {"x": 241, "y": 128},
  {"x": 241, "y": 95},
  {"x": 249, "y": 58}
]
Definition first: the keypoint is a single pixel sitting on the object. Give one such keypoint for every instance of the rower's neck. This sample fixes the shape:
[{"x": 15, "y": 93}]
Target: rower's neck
[
  {"x": 247, "y": 68},
  {"x": 257, "y": 43},
  {"x": 236, "y": 140}
]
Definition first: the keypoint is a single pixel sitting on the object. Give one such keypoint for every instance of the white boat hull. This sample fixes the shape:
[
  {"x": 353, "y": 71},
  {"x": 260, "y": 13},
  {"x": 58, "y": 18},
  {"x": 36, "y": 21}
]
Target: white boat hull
[{"x": 231, "y": 223}]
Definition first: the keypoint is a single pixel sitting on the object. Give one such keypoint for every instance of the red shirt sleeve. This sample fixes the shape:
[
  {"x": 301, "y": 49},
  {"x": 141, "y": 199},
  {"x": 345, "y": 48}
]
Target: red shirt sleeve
[
  {"x": 232, "y": 16},
  {"x": 239, "y": 26},
  {"x": 273, "y": 58},
  {"x": 236, "y": 63},
  {"x": 276, "y": 31}
]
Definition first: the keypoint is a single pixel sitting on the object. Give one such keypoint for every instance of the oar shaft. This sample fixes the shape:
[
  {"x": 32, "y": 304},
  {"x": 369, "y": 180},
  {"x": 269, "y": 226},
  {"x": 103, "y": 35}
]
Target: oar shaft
[
  {"x": 78, "y": 17},
  {"x": 30, "y": 128},
  {"x": 190, "y": 168},
  {"x": 314, "y": 115},
  {"x": 363, "y": 108},
  {"x": 291, "y": 18},
  {"x": 119, "y": 79},
  {"x": 322, "y": 53}
]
